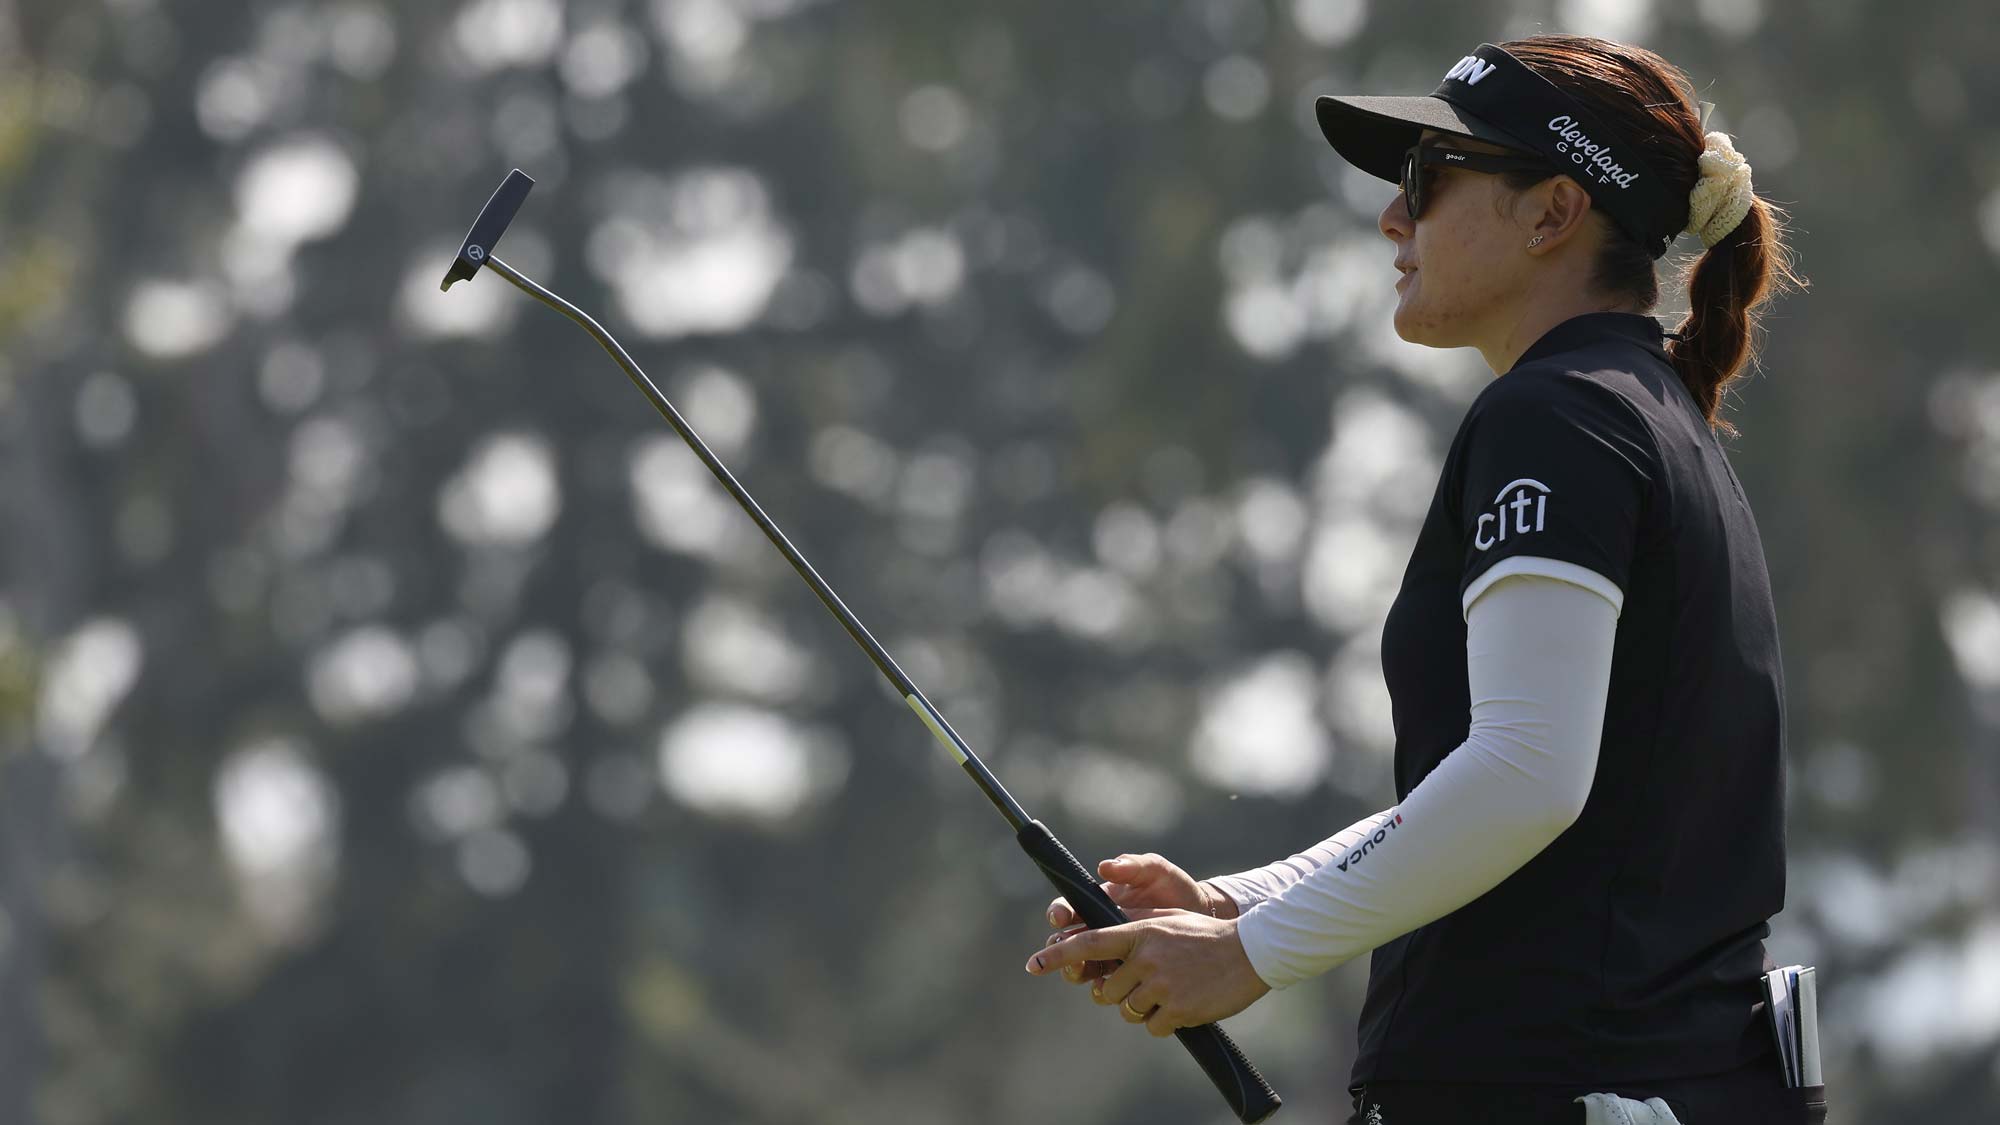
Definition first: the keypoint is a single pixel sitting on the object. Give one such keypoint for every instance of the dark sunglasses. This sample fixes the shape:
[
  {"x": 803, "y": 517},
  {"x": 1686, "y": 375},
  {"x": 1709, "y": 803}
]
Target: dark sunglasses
[{"x": 1422, "y": 157}]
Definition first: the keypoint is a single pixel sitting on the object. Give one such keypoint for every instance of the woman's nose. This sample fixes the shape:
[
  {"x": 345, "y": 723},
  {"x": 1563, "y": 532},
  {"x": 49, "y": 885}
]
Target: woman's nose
[{"x": 1395, "y": 221}]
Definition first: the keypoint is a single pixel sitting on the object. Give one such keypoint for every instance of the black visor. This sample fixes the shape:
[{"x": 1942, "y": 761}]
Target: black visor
[{"x": 1492, "y": 96}]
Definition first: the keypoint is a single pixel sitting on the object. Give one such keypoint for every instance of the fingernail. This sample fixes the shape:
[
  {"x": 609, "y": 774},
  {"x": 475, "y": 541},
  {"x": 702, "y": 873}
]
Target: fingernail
[
  {"x": 1035, "y": 964},
  {"x": 1052, "y": 915}
]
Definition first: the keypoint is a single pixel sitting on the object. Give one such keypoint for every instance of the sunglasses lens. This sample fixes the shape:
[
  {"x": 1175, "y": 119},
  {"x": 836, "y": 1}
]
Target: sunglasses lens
[{"x": 1413, "y": 184}]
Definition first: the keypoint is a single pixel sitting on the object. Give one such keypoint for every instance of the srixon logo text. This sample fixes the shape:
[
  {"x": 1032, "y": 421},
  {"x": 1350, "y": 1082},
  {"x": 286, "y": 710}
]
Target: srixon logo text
[
  {"x": 1368, "y": 845},
  {"x": 1520, "y": 508},
  {"x": 1471, "y": 69}
]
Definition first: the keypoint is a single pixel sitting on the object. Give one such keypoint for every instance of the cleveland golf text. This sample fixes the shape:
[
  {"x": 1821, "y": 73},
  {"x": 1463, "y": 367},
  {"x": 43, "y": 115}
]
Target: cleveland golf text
[{"x": 1596, "y": 157}]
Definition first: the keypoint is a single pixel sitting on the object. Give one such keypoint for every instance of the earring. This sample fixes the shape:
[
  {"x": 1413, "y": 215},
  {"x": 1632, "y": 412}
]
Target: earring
[{"x": 1534, "y": 242}]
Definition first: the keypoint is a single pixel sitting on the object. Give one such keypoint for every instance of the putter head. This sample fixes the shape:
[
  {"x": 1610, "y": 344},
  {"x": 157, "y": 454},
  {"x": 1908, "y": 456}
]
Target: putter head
[{"x": 488, "y": 227}]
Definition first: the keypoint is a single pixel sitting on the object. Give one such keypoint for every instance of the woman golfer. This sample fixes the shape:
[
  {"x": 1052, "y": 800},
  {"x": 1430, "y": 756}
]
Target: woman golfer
[{"x": 1570, "y": 897}]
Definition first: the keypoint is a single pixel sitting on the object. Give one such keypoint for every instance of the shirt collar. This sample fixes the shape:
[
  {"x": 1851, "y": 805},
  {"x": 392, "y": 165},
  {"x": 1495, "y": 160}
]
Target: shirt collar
[{"x": 1597, "y": 328}]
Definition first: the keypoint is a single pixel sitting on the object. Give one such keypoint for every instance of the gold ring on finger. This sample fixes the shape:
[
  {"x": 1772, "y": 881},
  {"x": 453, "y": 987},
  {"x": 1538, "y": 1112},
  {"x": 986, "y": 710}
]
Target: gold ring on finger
[{"x": 1136, "y": 1013}]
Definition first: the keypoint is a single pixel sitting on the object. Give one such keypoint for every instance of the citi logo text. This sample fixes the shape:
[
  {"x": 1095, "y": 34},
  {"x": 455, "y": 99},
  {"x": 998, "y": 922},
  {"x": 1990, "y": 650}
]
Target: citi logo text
[
  {"x": 1368, "y": 845},
  {"x": 1593, "y": 157},
  {"x": 1520, "y": 508},
  {"x": 1471, "y": 68}
]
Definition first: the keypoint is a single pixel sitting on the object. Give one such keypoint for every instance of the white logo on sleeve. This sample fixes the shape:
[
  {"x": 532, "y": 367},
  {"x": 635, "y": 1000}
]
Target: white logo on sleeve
[{"x": 1518, "y": 509}]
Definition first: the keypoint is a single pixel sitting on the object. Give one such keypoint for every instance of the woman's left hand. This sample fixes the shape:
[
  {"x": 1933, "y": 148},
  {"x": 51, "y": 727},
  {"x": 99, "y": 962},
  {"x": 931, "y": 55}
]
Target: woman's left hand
[{"x": 1180, "y": 969}]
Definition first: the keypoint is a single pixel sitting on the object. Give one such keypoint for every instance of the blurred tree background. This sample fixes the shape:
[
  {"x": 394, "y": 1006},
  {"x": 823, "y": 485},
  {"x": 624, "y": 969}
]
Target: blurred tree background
[{"x": 396, "y": 725}]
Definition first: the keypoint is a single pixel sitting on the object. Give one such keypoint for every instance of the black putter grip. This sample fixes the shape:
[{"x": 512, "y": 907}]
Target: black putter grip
[{"x": 1242, "y": 1087}]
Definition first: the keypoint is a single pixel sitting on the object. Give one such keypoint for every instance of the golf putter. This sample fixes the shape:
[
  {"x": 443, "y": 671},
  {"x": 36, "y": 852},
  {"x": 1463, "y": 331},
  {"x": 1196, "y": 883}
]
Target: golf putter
[{"x": 1248, "y": 1095}]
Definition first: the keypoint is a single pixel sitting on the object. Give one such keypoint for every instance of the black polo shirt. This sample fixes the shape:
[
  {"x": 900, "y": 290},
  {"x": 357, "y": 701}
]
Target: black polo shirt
[{"x": 1630, "y": 948}]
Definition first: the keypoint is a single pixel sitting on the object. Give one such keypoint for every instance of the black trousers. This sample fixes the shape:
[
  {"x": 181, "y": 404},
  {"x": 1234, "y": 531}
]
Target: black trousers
[{"x": 1750, "y": 1095}]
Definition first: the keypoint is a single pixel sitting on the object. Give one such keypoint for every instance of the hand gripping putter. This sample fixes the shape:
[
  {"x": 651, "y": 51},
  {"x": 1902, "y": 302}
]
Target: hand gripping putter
[{"x": 1242, "y": 1087}]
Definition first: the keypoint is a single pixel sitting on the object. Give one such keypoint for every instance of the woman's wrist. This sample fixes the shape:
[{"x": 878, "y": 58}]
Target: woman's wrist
[{"x": 1214, "y": 902}]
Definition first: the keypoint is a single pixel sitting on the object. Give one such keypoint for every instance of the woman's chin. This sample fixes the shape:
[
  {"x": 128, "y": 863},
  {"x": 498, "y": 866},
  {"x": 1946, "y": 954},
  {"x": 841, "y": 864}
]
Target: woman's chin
[
  {"x": 1417, "y": 323},
  {"x": 1410, "y": 325}
]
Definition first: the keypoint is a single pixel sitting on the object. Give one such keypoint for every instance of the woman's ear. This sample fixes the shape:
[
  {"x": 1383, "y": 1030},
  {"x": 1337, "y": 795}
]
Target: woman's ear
[{"x": 1555, "y": 210}]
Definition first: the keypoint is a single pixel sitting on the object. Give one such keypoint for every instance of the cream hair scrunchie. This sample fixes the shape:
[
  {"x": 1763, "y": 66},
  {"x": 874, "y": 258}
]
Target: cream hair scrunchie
[{"x": 1722, "y": 197}]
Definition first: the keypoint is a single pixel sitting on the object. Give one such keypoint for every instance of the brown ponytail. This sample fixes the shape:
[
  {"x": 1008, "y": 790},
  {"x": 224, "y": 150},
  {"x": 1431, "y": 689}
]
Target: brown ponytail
[
  {"x": 1726, "y": 287},
  {"x": 1644, "y": 96}
]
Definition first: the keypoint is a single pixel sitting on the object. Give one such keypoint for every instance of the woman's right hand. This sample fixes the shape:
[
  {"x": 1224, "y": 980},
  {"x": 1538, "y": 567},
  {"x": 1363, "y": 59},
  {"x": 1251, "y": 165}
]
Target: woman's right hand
[{"x": 1136, "y": 882}]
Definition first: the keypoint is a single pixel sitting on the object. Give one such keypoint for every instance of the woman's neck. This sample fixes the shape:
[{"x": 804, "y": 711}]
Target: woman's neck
[{"x": 1534, "y": 319}]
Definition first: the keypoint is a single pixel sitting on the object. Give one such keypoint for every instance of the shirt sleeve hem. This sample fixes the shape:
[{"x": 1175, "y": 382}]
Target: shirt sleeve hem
[
  {"x": 1264, "y": 961},
  {"x": 1544, "y": 568}
]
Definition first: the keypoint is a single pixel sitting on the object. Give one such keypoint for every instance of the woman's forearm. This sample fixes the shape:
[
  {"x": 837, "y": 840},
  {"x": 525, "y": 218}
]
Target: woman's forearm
[
  {"x": 1538, "y": 656},
  {"x": 1245, "y": 889}
]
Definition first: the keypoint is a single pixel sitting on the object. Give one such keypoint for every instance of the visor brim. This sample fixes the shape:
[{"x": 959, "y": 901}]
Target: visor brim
[{"x": 1373, "y": 133}]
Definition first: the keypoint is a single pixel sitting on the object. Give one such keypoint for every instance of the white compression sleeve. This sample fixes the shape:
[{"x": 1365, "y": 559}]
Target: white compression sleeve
[
  {"x": 1251, "y": 887},
  {"x": 1538, "y": 662}
]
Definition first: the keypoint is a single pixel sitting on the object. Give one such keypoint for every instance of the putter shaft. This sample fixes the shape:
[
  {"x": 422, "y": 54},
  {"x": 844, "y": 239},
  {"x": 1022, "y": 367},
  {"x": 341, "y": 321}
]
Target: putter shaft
[{"x": 942, "y": 730}]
